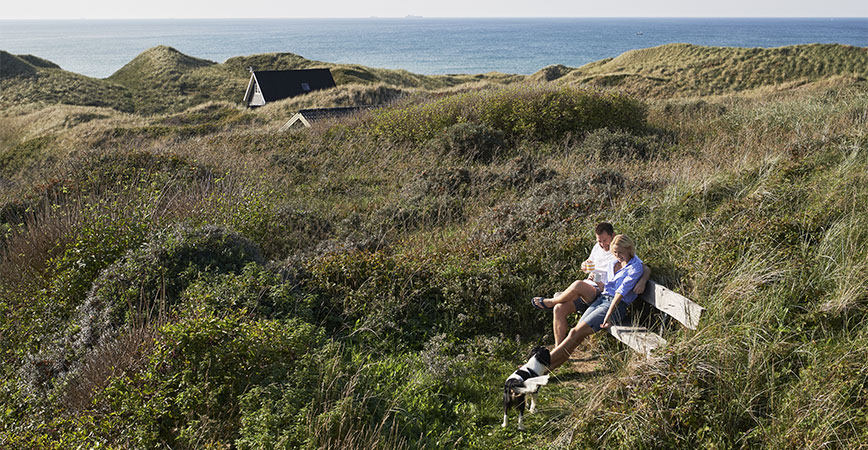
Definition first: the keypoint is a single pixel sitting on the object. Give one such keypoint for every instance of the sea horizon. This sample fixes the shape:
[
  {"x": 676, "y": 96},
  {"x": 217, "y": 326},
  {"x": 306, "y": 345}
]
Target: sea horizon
[{"x": 424, "y": 45}]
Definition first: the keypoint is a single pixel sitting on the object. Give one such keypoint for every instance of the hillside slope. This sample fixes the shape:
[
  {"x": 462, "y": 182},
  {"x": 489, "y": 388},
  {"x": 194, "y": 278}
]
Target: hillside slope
[
  {"x": 198, "y": 280},
  {"x": 27, "y": 79},
  {"x": 164, "y": 80},
  {"x": 688, "y": 70}
]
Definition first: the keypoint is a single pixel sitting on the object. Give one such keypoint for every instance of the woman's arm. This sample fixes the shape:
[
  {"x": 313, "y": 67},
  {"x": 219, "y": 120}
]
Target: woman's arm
[
  {"x": 640, "y": 285},
  {"x": 612, "y": 307}
]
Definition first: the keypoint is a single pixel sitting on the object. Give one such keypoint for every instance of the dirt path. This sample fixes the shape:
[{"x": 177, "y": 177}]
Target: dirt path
[{"x": 583, "y": 367}]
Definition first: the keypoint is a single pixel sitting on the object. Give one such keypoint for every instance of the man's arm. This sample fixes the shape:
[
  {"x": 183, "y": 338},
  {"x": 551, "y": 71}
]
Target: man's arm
[{"x": 640, "y": 285}]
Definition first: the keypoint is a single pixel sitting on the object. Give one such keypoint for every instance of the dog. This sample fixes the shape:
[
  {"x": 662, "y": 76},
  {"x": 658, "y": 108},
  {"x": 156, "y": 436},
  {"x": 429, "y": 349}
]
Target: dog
[{"x": 526, "y": 380}]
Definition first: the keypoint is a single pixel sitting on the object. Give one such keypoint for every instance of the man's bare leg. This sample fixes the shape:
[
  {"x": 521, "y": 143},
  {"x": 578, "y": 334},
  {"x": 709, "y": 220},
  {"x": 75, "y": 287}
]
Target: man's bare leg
[
  {"x": 561, "y": 353},
  {"x": 559, "y": 320},
  {"x": 563, "y": 303},
  {"x": 578, "y": 289}
]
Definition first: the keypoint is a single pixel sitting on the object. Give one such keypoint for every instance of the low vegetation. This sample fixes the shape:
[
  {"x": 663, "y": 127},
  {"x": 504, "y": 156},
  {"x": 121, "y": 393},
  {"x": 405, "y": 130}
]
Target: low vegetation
[
  {"x": 685, "y": 69},
  {"x": 191, "y": 278}
]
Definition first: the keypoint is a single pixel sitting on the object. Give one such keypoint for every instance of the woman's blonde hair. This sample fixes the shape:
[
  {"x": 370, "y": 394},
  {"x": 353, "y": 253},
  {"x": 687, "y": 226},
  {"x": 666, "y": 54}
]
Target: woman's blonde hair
[{"x": 623, "y": 242}]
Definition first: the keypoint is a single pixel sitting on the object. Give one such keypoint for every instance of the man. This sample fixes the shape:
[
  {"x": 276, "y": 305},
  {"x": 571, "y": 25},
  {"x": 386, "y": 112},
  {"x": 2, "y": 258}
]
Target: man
[{"x": 582, "y": 293}]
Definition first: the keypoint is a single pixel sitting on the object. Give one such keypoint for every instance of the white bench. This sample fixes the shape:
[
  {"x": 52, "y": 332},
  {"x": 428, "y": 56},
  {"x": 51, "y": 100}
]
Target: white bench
[{"x": 669, "y": 304}]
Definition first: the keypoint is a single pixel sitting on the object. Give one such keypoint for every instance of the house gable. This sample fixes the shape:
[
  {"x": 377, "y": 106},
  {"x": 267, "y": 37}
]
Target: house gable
[{"x": 271, "y": 85}]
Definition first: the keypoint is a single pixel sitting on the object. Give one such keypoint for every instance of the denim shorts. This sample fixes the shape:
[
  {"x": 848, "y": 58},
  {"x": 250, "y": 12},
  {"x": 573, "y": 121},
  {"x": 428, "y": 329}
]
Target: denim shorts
[
  {"x": 580, "y": 304},
  {"x": 597, "y": 310}
]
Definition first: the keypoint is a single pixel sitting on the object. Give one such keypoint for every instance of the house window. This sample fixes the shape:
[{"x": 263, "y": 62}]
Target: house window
[{"x": 305, "y": 87}]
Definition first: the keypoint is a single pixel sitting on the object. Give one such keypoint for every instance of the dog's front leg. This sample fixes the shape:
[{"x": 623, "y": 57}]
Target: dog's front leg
[
  {"x": 506, "y": 403},
  {"x": 532, "y": 407},
  {"x": 521, "y": 415}
]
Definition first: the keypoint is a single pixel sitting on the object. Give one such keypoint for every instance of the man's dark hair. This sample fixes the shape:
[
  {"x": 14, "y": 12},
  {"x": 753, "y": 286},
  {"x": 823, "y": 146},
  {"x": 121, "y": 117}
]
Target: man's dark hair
[{"x": 605, "y": 227}]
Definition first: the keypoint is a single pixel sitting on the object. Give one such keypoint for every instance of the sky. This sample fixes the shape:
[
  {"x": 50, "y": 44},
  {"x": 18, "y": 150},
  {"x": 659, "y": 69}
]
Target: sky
[{"x": 175, "y": 9}]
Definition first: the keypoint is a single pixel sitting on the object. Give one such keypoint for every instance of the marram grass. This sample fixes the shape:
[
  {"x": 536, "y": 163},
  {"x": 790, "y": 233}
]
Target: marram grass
[{"x": 389, "y": 296}]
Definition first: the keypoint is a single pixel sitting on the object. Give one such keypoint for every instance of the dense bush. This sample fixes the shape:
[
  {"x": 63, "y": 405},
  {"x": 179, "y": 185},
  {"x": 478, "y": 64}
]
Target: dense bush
[
  {"x": 471, "y": 141},
  {"x": 374, "y": 294},
  {"x": 255, "y": 290},
  {"x": 520, "y": 173},
  {"x": 606, "y": 144},
  {"x": 438, "y": 182},
  {"x": 526, "y": 112},
  {"x": 553, "y": 204},
  {"x": 191, "y": 392},
  {"x": 96, "y": 246},
  {"x": 152, "y": 277}
]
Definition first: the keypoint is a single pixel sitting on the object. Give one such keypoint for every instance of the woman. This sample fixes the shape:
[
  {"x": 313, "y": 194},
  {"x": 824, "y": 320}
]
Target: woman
[{"x": 610, "y": 306}]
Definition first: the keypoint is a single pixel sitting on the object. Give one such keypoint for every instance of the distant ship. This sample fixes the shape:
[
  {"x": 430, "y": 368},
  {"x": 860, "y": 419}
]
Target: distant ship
[{"x": 639, "y": 33}]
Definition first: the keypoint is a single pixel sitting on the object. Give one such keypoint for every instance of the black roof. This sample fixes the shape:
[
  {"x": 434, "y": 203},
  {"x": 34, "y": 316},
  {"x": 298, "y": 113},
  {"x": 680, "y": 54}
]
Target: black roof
[
  {"x": 280, "y": 84},
  {"x": 324, "y": 113}
]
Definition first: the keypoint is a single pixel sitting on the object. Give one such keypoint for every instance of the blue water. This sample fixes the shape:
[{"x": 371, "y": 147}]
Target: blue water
[{"x": 427, "y": 46}]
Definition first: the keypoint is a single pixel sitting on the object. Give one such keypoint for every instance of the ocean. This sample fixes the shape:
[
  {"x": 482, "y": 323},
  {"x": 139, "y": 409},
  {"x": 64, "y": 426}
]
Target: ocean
[{"x": 98, "y": 48}]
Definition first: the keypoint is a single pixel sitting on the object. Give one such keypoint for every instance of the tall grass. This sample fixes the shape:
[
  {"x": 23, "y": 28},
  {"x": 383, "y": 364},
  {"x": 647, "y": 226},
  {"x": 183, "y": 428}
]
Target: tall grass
[
  {"x": 401, "y": 247},
  {"x": 685, "y": 69}
]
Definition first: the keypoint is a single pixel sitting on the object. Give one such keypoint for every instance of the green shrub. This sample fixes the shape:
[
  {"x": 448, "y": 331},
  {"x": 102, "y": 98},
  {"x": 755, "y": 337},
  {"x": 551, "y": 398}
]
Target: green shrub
[
  {"x": 133, "y": 288},
  {"x": 202, "y": 373},
  {"x": 373, "y": 292},
  {"x": 554, "y": 204},
  {"x": 547, "y": 115},
  {"x": 528, "y": 112},
  {"x": 605, "y": 144},
  {"x": 399, "y": 400},
  {"x": 256, "y": 290},
  {"x": 96, "y": 246},
  {"x": 470, "y": 141}
]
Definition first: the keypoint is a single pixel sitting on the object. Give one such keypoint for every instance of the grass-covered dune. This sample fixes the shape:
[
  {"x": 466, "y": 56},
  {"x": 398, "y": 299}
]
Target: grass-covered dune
[
  {"x": 164, "y": 80},
  {"x": 194, "y": 279},
  {"x": 26, "y": 79},
  {"x": 686, "y": 69}
]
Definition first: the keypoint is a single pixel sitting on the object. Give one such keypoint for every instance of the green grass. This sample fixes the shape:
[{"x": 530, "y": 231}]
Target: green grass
[
  {"x": 163, "y": 80},
  {"x": 684, "y": 69},
  {"x": 195, "y": 279}
]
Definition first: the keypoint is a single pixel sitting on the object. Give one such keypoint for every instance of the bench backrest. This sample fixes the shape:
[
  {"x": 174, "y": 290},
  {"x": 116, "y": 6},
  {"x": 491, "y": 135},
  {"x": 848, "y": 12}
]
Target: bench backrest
[{"x": 675, "y": 305}]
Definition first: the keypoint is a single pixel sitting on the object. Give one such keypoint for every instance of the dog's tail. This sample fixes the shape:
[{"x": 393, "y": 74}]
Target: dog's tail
[{"x": 532, "y": 384}]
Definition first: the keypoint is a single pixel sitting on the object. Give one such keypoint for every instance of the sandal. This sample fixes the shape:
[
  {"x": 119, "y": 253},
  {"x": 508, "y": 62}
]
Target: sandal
[{"x": 538, "y": 303}]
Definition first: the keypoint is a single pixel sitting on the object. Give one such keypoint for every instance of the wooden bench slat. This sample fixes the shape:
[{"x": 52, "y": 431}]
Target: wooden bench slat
[
  {"x": 638, "y": 338},
  {"x": 675, "y": 305}
]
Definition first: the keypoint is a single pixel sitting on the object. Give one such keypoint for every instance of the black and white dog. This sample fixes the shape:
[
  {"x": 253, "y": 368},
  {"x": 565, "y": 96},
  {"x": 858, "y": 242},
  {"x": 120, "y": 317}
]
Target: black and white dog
[{"x": 526, "y": 380}]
